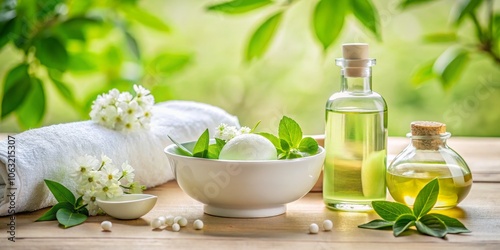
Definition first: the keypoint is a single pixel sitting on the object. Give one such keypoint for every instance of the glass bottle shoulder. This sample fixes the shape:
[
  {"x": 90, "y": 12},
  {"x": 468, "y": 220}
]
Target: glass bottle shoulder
[{"x": 358, "y": 102}]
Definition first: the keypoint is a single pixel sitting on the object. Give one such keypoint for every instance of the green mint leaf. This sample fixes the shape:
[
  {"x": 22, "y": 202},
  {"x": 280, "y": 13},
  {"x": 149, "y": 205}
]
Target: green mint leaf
[
  {"x": 51, "y": 214},
  {"x": 200, "y": 149},
  {"x": 68, "y": 218},
  {"x": 377, "y": 224},
  {"x": 402, "y": 223},
  {"x": 294, "y": 153},
  {"x": 431, "y": 225},
  {"x": 274, "y": 140},
  {"x": 390, "y": 211},
  {"x": 183, "y": 150},
  {"x": 214, "y": 149},
  {"x": 308, "y": 145},
  {"x": 453, "y": 226},
  {"x": 285, "y": 146},
  {"x": 290, "y": 131},
  {"x": 426, "y": 198},
  {"x": 60, "y": 192}
]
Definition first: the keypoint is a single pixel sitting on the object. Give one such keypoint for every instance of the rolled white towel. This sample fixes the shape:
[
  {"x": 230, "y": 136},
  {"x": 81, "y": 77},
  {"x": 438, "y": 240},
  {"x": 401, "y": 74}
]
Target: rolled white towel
[{"x": 50, "y": 152}]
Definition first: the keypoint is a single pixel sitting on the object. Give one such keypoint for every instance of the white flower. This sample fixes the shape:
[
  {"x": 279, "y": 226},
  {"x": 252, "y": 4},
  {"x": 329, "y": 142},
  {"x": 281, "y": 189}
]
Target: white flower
[
  {"x": 245, "y": 130},
  {"x": 83, "y": 165},
  {"x": 110, "y": 173},
  {"x": 90, "y": 182},
  {"x": 123, "y": 111},
  {"x": 225, "y": 132},
  {"x": 141, "y": 91},
  {"x": 110, "y": 190},
  {"x": 127, "y": 172},
  {"x": 135, "y": 188},
  {"x": 89, "y": 198}
]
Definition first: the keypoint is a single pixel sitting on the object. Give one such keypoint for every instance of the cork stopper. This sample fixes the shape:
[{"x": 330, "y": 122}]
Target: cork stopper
[
  {"x": 357, "y": 54},
  {"x": 421, "y": 129},
  {"x": 355, "y": 51}
]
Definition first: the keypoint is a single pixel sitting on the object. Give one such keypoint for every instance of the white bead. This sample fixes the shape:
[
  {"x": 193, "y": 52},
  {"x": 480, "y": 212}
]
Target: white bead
[
  {"x": 198, "y": 224},
  {"x": 177, "y": 218},
  {"x": 176, "y": 227},
  {"x": 162, "y": 219},
  {"x": 156, "y": 223},
  {"x": 169, "y": 220},
  {"x": 313, "y": 228},
  {"x": 327, "y": 225},
  {"x": 106, "y": 225},
  {"x": 182, "y": 222}
]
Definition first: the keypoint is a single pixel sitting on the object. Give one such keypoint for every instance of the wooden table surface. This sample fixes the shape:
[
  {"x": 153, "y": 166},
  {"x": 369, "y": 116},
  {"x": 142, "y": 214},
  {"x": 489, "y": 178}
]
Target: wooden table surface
[{"x": 480, "y": 212}]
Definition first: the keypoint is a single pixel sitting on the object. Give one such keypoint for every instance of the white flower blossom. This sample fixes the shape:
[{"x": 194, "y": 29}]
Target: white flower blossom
[
  {"x": 226, "y": 133},
  {"x": 83, "y": 166},
  {"x": 245, "y": 130},
  {"x": 123, "y": 111},
  {"x": 127, "y": 172}
]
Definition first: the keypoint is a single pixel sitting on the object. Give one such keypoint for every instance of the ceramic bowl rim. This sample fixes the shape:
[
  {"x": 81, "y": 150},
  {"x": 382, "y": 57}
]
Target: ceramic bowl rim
[{"x": 146, "y": 197}]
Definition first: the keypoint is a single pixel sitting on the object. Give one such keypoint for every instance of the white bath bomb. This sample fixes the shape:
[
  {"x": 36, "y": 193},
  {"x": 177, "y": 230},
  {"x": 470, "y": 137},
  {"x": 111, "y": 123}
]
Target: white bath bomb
[{"x": 248, "y": 147}]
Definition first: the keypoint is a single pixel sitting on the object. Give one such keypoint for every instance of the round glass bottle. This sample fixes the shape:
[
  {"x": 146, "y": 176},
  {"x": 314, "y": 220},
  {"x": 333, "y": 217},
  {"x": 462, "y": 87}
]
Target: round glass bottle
[{"x": 425, "y": 158}]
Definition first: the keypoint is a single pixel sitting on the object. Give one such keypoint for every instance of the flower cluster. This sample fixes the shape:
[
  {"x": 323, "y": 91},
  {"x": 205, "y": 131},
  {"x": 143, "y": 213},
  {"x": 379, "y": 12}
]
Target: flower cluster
[
  {"x": 226, "y": 133},
  {"x": 102, "y": 179},
  {"x": 122, "y": 111}
]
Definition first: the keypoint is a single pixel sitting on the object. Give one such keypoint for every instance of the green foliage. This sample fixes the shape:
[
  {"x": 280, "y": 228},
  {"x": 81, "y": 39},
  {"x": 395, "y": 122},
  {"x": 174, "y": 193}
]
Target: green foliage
[
  {"x": 262, "y": 37},
  {"x": 401, "y": 217},
  {"x": 451, "y": 64},
  {"x": 68, "y": 211},
  {"x": 54, "y": 41},
  {"x": 200, "y": 149},
  {"x": 327, "y": 20}
]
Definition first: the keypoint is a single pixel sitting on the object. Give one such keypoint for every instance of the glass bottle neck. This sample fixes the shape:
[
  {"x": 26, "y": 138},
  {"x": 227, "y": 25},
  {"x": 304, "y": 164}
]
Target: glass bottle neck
[
  {"x": 429, "y": 142},
  {"x": 356, "y": 84}
]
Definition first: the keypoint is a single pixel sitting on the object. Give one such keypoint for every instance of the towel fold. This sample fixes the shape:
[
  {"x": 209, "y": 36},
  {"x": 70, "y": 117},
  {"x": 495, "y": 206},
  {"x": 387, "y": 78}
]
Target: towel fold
[{"x": 50, "y": 152}]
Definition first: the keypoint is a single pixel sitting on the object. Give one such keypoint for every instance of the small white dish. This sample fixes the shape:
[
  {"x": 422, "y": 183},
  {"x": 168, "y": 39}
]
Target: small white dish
[
  {"x": 245, "y": 189},
  {"x": 128, "y": 206}
]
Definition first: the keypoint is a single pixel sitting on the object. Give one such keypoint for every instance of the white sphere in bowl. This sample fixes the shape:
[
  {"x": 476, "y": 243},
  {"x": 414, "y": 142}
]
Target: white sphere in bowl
[{"x": 248, "y": 147}]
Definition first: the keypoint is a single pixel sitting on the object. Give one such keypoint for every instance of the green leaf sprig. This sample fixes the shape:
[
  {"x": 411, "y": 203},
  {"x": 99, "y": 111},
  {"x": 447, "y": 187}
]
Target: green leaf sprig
[
  {"x": 69, "y": 211},
  {"x": 400, "y": 217},
  {"x": 289, "y": 143}
]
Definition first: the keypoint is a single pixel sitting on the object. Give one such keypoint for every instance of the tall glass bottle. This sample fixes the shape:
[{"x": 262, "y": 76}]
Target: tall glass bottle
[{"x": 355, "y": 136}]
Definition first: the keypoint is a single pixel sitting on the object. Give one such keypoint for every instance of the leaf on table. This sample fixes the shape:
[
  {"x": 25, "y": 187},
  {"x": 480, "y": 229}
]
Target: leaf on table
[
  {"x": 262, "y": 37},
  {"x": 17, "y": 84},
  {"x": 68, "y": 218},
  {"x": 423, "y": 73},
  {"x": 328, "y": 20},
  {"x": 238, "y": 6},
  {"x": 60, "y": 192},
  {"x": 52, "y": 53},
  {"x": 377, "y": 224},
  {"x": 453, "y": 226},
  {"x": 32, "y": 110},
  {"x": 367, "y": 14},
  {"x": 426, "y": 198},
  {"x": 450, "y": 65},
  {"x": 405, "y": 3},
  {"x": 464, "y": 8},
  {"x": 431, "y": 225},
  {"x": 390, "y": 211},
  {"x": 51, "y": 214},
  {"x": 402, "y": 223},
  {"x": 290, "y": 131},
  {"x": 201, "y": 147}
]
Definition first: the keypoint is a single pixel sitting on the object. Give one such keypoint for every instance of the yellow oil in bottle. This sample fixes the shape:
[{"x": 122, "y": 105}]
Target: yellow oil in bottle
[{"x": 405, "y": 183}]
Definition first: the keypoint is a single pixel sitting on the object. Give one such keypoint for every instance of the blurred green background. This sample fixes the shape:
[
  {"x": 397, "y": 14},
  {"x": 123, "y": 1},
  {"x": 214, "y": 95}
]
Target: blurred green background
[{"x": 75, "y": 50}]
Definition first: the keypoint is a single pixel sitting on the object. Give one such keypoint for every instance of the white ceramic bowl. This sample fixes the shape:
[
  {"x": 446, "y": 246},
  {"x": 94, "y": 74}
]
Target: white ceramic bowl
[
  {"x": 246, "y": 189},
  {"x": 128, "y": 206}
]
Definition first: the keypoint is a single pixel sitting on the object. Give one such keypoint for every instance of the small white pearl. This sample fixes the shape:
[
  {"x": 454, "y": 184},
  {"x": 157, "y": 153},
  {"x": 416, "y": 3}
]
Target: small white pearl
[
  {"x": 162, "y": 219},
  {"x": 176, "y": 227},
  {"x": 169, "y": 220},
  {"x": 182, "y": 222},
  {"x": 156, "y": 223},
  {"x": 198, "y": 224},
  {"x": 177, "y": 218},
  {"x": 313, "y": 228},
  {"x": 106, "y": 225},
  {"x": 327, "y": 225}
]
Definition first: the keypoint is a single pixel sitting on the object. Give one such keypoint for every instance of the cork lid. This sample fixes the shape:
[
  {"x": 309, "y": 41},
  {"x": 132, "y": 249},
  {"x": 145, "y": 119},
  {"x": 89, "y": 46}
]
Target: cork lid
[
  {"x": 427, "y": 128},
  {"x": 355, "y": 56},
  {"x": 355, "y": 51}
]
